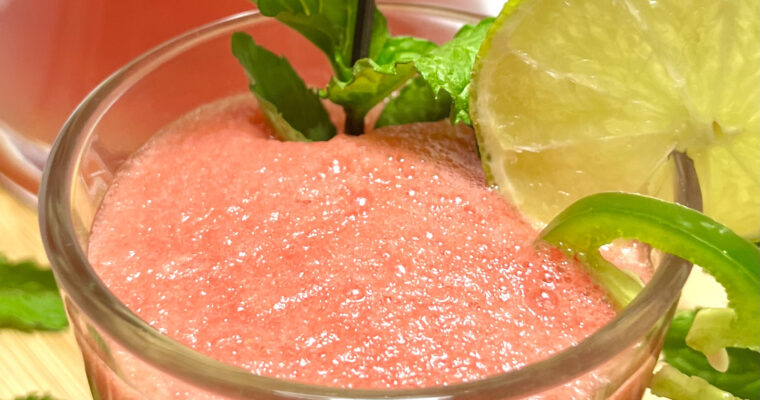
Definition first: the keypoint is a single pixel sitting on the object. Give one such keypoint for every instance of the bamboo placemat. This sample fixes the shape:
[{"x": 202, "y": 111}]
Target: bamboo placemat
[{"x": 41, "y": 362}]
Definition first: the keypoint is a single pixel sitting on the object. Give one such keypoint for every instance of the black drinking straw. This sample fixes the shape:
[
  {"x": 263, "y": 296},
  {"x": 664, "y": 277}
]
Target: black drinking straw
[{"x": 365, "y": 13}]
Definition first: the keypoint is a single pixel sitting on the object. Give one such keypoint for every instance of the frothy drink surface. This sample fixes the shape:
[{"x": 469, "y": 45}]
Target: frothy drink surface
[{"x": 379, "y": 261}]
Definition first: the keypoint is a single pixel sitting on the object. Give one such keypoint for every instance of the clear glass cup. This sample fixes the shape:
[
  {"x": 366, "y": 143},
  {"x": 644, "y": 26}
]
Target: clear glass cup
[{"x": 127, "y": 359}]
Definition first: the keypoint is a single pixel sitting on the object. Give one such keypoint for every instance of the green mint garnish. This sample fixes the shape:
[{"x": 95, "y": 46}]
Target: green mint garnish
[
  {"x": 415, "y": 102},
  {"x": 732, "y": 260},
  {"x": 295, "y": 112},
  {"x": 331, "y": 26},
  {"x": 393, "y": 62},
  {"x": 449, "y": 67},
  {"x": 29, "y": 298}
]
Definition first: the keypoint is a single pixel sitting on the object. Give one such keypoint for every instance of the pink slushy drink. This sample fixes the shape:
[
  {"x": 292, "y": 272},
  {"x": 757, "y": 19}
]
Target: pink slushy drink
[{"x": 378, "y": 261}]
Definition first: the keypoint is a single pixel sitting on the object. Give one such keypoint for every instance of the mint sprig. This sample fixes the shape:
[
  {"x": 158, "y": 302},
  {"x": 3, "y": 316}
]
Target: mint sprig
[
  {"x": 393, "y": 62},
  {"x": 29, "y": 298}
]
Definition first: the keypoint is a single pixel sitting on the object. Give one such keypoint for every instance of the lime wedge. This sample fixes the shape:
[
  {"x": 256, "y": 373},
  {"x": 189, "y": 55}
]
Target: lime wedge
[{"x": 577, "y": 97}]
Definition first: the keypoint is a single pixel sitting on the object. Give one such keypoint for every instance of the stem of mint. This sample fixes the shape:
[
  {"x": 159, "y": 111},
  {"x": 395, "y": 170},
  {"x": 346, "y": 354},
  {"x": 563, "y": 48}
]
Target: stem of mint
[{"x": 362, "y": 37}]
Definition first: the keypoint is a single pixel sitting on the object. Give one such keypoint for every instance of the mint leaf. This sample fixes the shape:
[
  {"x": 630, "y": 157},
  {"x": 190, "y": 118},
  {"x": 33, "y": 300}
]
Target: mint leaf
[
  {"x": 732, "y": 260},
  {"x": 29, "y": 298},
  {"x": 742, "y": 378},
  {"x": 295, "y": 112},
  {"x": 369, "y": 85},
  {"x": 670, "y": 383},
  {"x": 329, "y": 24},
  {"x": 326, "y": 23},
  {"x": 416, "y": 102},
  {"x": 449, "y": 67},
  {"x": 401, "y": 49},
  {"x": 372, "y": 81},
  {"x": 380, "y": 34}
]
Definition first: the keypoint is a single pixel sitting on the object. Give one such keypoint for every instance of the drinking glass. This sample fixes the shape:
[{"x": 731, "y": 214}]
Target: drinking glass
[{"x": 125, "y": 358}]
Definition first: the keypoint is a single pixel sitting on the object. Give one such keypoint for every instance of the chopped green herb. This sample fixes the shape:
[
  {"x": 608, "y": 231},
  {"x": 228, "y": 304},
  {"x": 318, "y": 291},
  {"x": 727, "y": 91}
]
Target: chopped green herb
[
  {"x": 29, "y": 298},
  {"x": 295, "y": 111},
  {"x": 449, "y": 67},
  {"x": 670, "y": 383},
  {"x": 415, "y": 102},
  {"x": 742, "y": 378}
]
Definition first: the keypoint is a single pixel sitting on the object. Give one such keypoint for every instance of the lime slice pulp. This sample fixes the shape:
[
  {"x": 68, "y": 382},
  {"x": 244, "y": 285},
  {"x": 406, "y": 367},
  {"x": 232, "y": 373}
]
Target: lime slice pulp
[{"x": 578, "y": 97}]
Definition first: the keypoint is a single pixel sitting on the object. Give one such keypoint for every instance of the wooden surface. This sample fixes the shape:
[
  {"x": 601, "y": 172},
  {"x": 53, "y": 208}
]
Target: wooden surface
[
  {"x": 51, "y": 363},
  {"x": 39, "y": 362}
]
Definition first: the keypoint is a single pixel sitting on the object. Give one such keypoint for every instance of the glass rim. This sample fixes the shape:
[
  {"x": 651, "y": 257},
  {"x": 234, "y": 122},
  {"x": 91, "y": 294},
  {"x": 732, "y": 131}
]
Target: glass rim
[{"x": 81, "y": 284}]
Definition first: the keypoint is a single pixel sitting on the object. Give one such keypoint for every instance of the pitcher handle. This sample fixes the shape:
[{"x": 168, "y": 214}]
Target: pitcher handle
[{"x": 21, "y": 163}]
